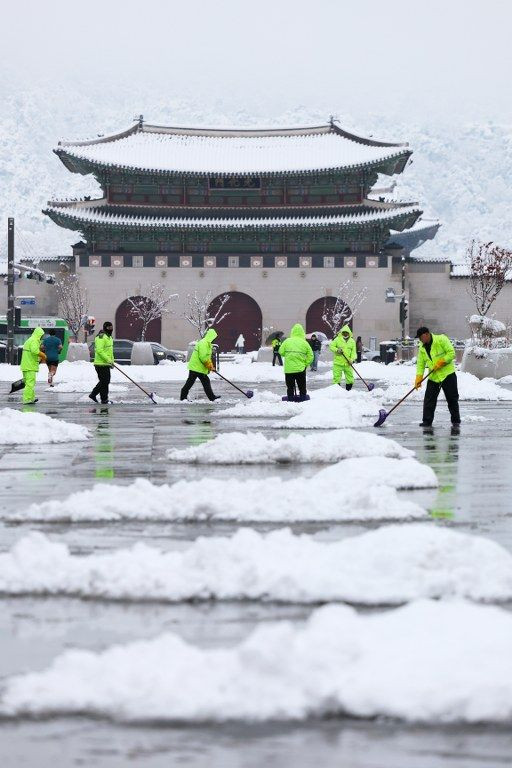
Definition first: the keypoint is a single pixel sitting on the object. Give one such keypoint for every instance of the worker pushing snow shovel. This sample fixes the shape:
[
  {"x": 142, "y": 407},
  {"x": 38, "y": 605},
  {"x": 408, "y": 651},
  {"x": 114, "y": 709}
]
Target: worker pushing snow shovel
[{"x": 344, "y": 349}]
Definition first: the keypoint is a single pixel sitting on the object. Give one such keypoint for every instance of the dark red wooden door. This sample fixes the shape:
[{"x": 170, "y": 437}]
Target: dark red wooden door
[
  {"x": 314, "y": 316},
  {"x": 128, "y": 327},
  {"x": 243, "y": 316}
]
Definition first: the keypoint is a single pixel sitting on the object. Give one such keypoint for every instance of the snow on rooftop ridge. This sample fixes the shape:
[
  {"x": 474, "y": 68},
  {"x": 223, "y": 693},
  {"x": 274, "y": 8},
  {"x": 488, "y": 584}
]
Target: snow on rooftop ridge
[
  {"x": 90, "y": 215},
  {"x": 236, "y": 152}
]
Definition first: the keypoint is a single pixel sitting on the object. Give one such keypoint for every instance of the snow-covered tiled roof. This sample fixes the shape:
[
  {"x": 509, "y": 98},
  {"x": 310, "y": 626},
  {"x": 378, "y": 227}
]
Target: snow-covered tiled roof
[
  {"x": 209, "y": 151},
  {"x": 98, "y": 216}
]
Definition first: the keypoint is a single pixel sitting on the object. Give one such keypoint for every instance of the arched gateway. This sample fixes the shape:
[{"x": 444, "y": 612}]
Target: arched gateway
[
  {"x": 321, "y": 307},
  {"x": 128, "y": 327},
  {"x": 242, "y": 316}
]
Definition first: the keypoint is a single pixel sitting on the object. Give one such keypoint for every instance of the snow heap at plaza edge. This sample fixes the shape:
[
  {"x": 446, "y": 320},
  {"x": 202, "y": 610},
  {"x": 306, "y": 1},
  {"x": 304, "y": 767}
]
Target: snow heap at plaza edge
[{"x": 428, "y": 661}]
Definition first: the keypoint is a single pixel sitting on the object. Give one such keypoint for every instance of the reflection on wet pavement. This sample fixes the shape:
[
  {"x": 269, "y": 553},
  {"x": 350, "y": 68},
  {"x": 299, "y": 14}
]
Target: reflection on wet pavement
[{"x": 131, "y": 440}]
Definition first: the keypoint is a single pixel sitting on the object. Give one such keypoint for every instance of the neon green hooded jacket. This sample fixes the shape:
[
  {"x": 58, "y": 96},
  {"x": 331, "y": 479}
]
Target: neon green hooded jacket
[
  {"x": 31, "y": 349},
  {"x": 202, "y": 352},
  {"x": 348, "y": 348},
  {"x": 296, "y": 351},
  {"x": 103, "y": 349},
  {"x": 441, "y": 349}
]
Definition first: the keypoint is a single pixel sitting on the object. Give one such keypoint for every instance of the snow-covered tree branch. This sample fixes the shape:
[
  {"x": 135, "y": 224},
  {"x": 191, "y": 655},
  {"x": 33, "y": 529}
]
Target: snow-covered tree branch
[
  {"x": 73, "y": 302},
  {"x": 202, "y": 314},
  {"x": 341, "y": 311},
  {"x": 488, "y": 265},
  {"x": 150, "y": 305}
]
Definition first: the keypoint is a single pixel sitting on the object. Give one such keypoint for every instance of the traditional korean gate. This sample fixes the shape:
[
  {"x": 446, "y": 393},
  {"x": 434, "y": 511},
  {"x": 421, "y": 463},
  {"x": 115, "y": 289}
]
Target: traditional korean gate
[
  {"x": 127, "y": 327},
  {"x": 243, "y": 316},
  {"x": 314, "y": 316}
]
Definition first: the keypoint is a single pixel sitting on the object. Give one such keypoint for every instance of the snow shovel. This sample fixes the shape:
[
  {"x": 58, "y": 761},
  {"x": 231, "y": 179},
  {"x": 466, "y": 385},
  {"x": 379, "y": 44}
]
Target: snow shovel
[
  {"x": 369, "y": 386},
  {"x": 384, "y": 414},
  {"x": 151, "y": 395},
  {"x": 16, "y": 386},
  {"x": 249, "y": 393}
]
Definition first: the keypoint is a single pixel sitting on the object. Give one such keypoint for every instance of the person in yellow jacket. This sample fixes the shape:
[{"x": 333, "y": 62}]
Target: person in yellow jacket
[
  {"x": 31, "y": 356},
  {"x": 200, "y": 365},
  {"x": 436, "y": 353},
  {"x": 297, "y": 355},
  {"x": 103, "y": 362},
  {"x": 344, "y": 349}
]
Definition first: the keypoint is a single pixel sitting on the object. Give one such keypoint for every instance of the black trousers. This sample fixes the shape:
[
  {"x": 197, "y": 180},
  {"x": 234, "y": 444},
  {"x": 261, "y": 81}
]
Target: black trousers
[
  {"x": 449, "y": 387},
  {"x": 295, "y": 379},
  {"x": 205, "y": 381},
  {"x": 277, "y": 356},
  {"x": 101, "y": 387}
]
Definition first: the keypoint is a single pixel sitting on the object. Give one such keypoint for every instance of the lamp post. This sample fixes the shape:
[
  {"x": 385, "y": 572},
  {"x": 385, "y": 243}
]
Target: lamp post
[
  {"x": 403, "y": 309},
  {"x": 10, "y": 292}
]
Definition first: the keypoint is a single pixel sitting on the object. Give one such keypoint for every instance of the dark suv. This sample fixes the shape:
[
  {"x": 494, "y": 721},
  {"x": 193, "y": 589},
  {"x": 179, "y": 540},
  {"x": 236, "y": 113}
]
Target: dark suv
[{"x": 123, "y": 352}]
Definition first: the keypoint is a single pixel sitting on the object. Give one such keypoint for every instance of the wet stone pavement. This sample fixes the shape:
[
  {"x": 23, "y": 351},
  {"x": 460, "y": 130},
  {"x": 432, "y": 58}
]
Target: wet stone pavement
[{"x": 129, "y": 440}]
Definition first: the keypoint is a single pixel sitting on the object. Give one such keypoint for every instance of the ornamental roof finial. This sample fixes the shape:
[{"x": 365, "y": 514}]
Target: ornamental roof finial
[{"x": 140, "y": 120}]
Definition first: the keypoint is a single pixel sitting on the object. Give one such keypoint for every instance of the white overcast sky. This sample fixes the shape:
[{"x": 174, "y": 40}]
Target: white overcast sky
[{"x": 449, "y": 58}]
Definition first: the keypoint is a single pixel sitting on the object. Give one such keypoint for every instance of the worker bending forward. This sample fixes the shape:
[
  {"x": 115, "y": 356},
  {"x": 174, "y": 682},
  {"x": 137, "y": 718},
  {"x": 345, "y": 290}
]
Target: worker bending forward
[{"x": 344, "y": 348}]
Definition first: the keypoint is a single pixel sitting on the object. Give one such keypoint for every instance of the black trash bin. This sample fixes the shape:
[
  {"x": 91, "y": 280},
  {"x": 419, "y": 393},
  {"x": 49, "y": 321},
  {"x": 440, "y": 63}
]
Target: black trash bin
[{"x": 387, "y": 351}]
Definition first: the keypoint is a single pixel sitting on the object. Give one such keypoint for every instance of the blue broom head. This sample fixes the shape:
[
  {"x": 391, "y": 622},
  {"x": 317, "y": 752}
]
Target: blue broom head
[
  {"x": 382, "y": 418},
  {"x": 371, "y": 386},
  {"x": 249, "y": 393}
]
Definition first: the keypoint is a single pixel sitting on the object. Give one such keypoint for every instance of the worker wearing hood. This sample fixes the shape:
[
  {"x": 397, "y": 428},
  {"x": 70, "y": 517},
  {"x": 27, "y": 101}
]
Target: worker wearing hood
[
  {"x": 297, "y": 355},
  {"x": 31, "y": 357},
  {"x": 200, "y": 365},
  {"x": 344, "y": 349}
]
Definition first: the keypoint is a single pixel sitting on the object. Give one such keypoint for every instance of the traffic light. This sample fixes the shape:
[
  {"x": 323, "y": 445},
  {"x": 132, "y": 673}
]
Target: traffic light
[
  {"x": 404, "y": 306},
  {"x": 89, "y": 324}
]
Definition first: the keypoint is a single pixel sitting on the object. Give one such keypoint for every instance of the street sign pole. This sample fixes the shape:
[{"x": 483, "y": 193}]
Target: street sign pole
[{"x": 10, "y": 293}]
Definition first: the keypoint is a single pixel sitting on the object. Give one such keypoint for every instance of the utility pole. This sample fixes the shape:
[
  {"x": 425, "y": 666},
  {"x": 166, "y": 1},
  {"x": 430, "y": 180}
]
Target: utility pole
[
  {"x": 10, "y": 292},
  {"x": 403, "y": 304}
]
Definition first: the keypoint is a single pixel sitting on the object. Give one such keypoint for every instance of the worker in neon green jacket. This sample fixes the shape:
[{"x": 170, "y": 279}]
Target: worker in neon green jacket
[
  {"x": 200, "y": 365},
  {"x": 344, "y": 349},
  {"x": 103, "y": 362},
  {"x": 436, "y": 353},
  {"x": 297, "y": 355},
  {"x": 31, "y": 356}
]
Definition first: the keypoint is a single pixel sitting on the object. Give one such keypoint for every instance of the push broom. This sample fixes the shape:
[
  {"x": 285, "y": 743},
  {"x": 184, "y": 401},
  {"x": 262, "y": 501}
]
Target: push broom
[
  {"x": 384, "y": 414},
  {"x": 248, "y": 393},
  {"x": 368, "y": 385},
  {"x": 151, "y": 395}
]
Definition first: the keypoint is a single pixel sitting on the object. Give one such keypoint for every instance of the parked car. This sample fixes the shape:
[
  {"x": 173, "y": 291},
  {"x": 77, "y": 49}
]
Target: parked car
[
  {"x": 123, "y": 352},
  {"x": 167, "y": 354},
  {"x": 371, "y": 354}
]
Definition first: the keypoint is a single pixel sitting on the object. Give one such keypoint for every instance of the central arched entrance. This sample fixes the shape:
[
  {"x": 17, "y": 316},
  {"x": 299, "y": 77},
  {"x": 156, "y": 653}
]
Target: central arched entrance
[
  {"x": 326, "y": 306},
  {"x": 242, "y": 316},
  {"x": 130, "y": 327}
]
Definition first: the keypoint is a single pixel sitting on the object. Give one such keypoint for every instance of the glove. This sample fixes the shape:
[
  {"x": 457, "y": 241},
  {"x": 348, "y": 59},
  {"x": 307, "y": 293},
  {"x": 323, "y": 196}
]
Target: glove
[
  {"x": 42, "y": 357},
  {"x": 439, "y": 364},
  {"x": 210, "y": 366},
  {"x": 417, "y": 382}
]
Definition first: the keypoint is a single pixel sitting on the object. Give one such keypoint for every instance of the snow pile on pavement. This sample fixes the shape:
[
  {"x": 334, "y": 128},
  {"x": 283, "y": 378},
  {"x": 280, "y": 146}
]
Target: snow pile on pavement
[
  {"x": 392, "y": 565},
  {"x": 355, "y": 489},
  {"x": 264, "y": 404},
  {"x": 255, "y": 448},
  {"x": 36, "y": 428},
  {"x": 426, "y": 662},
  {"x": 470, "y": 388},
  {"x": 348, "y": 409}
]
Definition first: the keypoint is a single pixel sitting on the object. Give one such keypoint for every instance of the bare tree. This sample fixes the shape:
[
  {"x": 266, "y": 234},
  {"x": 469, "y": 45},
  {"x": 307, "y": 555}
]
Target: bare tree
[
  {"x": 339, "y": 312},
  {"x": 488, "y": 265},
  {"x": 73, "y": 302},
  {"x": 201, "y": 315},
  {"x": 150, "y": 305}
]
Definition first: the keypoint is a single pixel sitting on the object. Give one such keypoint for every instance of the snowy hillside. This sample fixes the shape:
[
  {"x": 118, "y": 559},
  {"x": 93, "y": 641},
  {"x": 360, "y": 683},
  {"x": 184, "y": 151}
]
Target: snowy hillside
[{"x": 460, "y": 172}]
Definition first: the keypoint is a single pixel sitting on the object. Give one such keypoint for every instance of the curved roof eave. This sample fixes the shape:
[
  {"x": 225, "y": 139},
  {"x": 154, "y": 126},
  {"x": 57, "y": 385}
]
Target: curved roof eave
[{"x": 72, "y": 163}]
